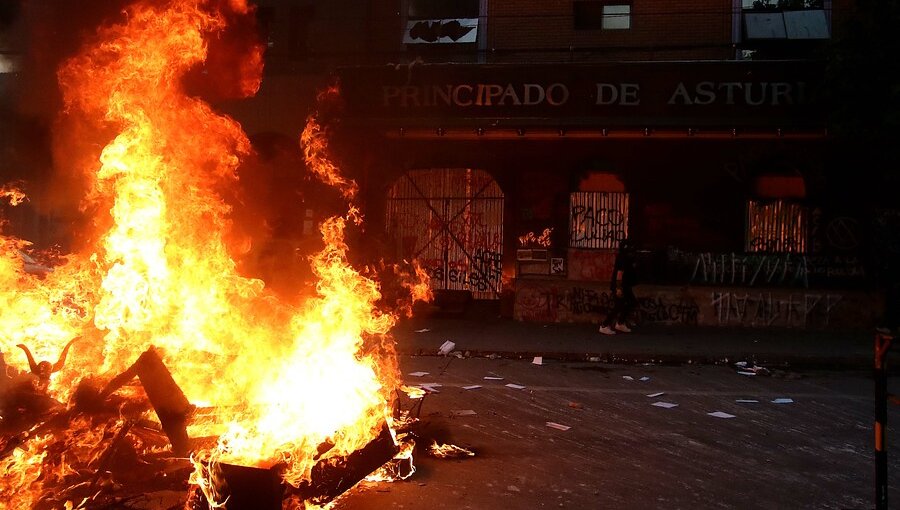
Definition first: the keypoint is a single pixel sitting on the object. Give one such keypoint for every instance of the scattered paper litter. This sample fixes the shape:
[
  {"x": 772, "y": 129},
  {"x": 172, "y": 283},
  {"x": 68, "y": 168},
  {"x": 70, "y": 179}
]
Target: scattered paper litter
[
  {"x": 418, "y": 374},
  {"x": 515, "y": 386},
  {"x": 538, "y": 360},
  {"x": 463, "y": 412},
  {"x": 557, "y": 426},
  {"x": 423, "y": 330},
  {"x": 446, "y": 347},
  {"x": 472, "y": 387},
  {"x": 746, "y": 372},
  {"x": 747, "y": 401},
  {"x": 783, "y": 401},
  {"x": 627, "y": 377},
  {"x": 430, "y": 388},
  {"x": 665, "y": 405},
  {"x": 720, "y": 414},
  {"x": 492, "y": 378},
  {"x": 657, "y": 394},
  {"x": 645, "y": 378}
]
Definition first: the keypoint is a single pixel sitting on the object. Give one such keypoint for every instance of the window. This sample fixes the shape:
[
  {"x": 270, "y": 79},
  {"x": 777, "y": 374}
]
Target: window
[
  {"x": 776, "y": 226},
  {"x": 441, "y": 21},
  {"x": 785, "y": 19},
  {"x": 597, "y": 219},
  {"x": 602, "y": 14}
]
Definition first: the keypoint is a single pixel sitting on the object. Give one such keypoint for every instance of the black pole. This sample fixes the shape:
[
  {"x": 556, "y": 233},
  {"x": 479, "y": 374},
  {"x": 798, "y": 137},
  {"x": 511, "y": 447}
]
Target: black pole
[{"x": 882, "y": 345}]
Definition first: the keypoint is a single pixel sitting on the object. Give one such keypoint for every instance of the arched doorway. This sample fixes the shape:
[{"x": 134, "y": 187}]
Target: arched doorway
[{"x": 451, "y": 221}]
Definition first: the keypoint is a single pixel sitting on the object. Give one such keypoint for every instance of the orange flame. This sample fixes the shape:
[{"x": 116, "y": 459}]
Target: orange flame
[
  {"x": 281, "y": 379},
  {"x": 449, "y": 451},
  {"x": 12, "y": 194}
]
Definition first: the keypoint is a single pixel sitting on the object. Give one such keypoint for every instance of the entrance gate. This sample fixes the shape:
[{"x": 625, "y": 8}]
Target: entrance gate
[{"x": 451, "y": 221}]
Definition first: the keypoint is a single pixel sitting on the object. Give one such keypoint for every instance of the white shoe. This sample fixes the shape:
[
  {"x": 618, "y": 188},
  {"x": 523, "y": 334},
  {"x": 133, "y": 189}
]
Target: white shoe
[
  {"x": 623, "y": 328},
  {"x": 606, "y": 330}
]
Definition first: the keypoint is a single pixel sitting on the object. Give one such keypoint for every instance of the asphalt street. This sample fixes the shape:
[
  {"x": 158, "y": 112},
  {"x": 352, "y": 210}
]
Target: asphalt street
[{"x": 622, "y": 451}]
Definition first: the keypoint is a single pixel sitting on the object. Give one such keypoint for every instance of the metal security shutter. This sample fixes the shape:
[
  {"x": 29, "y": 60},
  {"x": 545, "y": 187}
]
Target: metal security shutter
[
  {"x": 777, "y": 226},
  {"x": 451, "y": 221},
  {"x": 597, "y": 219}
]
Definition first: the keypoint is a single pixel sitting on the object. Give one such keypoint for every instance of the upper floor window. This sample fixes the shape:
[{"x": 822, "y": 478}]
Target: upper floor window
[
  {"x": 602, "y": 14},
  {"x": 441, "y": 21},
  {"x": 785, "y": 19}
]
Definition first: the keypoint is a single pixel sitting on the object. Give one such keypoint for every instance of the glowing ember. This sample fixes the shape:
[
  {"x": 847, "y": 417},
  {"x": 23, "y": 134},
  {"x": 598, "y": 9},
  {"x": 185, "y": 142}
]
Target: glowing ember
[
  {"x": 276, "y": 380},
  {"x": 449, "y": 451}
]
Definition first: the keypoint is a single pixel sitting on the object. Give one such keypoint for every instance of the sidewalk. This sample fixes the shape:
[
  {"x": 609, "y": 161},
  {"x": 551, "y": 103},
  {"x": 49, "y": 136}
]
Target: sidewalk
[{"x": 482, "y": 333}]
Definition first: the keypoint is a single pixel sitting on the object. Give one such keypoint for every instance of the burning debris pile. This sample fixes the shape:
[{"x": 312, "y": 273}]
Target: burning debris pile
[{"x": 146, "y": 357}]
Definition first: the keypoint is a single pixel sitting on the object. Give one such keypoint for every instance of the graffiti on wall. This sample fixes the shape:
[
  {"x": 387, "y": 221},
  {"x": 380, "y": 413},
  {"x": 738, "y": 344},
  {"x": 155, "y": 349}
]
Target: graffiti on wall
[
  {"x": 597, "y": 219},
  {"x": 683, "y": 310},
  {"x": 552, "y": 304},
  {"x": 480, "y": 272},
  {"x": 751, "y": 269},
  {"x": 765, "y": 270},
  {"x": 763, "y": 309}
]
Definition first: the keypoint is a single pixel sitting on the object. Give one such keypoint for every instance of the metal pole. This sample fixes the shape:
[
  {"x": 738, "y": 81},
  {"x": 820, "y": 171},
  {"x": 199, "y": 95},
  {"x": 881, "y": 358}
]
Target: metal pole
[{"x": 882, "y": 346}]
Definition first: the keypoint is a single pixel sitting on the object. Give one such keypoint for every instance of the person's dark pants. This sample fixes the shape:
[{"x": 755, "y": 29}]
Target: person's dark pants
[{"x": 622, "y": 307}]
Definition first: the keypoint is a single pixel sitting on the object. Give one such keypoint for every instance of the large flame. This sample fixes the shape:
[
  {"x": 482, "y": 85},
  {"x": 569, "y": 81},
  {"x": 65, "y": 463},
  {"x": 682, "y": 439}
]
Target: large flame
[{"x": 282, "y": 378}]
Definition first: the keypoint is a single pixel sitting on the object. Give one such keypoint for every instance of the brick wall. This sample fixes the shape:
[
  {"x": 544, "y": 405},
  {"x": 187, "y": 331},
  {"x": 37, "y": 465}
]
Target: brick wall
[
  {"x": 659, "y": 31},
  {"x": 586, "y": 302}
]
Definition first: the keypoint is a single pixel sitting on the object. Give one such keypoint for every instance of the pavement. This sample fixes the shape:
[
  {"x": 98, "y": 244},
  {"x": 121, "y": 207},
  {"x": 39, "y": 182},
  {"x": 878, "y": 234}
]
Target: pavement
[{"x": 482, "y": 331}]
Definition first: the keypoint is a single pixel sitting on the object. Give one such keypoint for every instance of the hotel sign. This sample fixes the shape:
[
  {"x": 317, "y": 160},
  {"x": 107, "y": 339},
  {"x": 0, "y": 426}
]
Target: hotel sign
[{"x": 694, "y": 94}]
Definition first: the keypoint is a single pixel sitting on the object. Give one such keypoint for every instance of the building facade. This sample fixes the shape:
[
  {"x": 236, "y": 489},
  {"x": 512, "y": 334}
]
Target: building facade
[
  {"x": 510, "y": 153},
  {"x": 509, "y": 147}
]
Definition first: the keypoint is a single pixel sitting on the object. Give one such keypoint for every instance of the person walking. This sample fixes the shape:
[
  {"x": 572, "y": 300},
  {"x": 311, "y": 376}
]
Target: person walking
[{"x": 622, "y": 284}]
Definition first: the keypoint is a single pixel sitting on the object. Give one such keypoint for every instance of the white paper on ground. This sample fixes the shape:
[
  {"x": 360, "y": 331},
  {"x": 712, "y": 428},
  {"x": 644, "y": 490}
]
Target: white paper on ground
[
  {"x": 783, "y": 401},
  {"x": 430, "y": 388},
  {"x": 645, "y": 378},
  {"x": 446, "y": 347},
  {"x": 720, "y": 414},
  {"x": 627, "y": 377},
  {"x": 424, "y": 330},
  {"x": 463, "y": 412},
  {"x": 746, "y": 372},
  {"x": 515, "y": 386},
  {"x": 665, "y": 405},
  {"x": 557, "y": 426},
  {"x": 747, "y": 401},
  {"x": 538, "y": 360},
  {"x": 657, "y": 394},
  {"x": 492, "y": 378},
  {"x": 472, "y": 387},
  {"x": 418, "y": 374}
]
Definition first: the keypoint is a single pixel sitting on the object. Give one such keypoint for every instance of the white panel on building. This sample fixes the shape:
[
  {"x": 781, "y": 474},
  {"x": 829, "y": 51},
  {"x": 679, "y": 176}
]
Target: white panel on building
[
  {"x": 808, "y": 24},
  {"x": 765, "y": 25}
]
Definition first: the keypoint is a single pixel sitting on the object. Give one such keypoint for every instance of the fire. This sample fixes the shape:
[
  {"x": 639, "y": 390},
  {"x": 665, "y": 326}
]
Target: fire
[
  {"x": 13, "y": 194},
  {"x": 449, "y": 451},
  {"x": 278, "y": 380}
]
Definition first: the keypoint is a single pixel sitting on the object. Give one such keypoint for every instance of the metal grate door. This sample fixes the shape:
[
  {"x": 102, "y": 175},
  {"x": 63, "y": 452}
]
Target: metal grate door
[
  {"x": 597, "y": 219},
  {"x": 451, "y": 221},
  {"x": 777, "y": 226}
]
